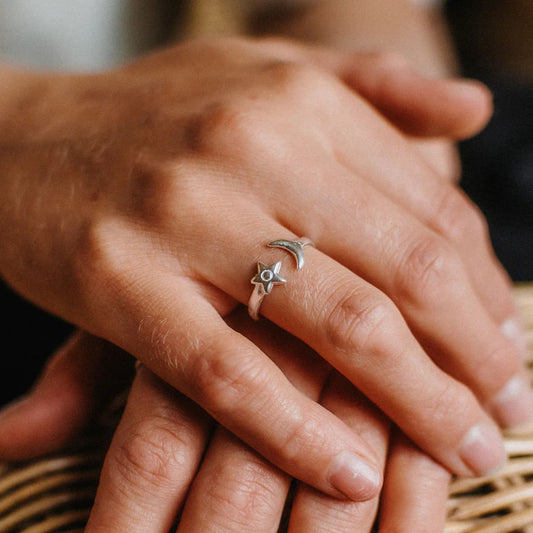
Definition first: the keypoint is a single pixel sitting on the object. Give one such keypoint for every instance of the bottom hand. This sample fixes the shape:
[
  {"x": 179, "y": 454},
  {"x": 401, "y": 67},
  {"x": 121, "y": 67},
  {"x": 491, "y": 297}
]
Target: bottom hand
[{"x": 162, "y": 463}]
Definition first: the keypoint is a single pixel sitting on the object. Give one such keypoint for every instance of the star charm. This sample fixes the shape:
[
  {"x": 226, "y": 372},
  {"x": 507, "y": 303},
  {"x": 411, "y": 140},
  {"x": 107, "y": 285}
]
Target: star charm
[{"x": 268, "y": 276}]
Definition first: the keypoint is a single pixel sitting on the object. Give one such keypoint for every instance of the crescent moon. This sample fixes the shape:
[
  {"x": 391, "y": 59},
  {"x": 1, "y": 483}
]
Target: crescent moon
[{"x": 294, "y": 247}]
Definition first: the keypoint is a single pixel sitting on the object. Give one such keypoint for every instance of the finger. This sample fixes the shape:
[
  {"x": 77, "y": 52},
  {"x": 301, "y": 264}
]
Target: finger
[
  {"x": 361, "y": 333},
  {"x": 456, "y": 107},
  {"x": 314, "y": 511},
  {"x": 427, "y": 280},
  {"x": 236, "y": 489},
  {"x": 415, "y": 492},
  {"x": 234, "y": 382},
  {"x": 152, "y": 460},
  {"x": 409, "y": 182},
  {"x": 79, "y": 379}
]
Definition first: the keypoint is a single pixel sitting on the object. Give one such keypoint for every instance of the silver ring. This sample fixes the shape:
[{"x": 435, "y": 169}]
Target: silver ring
[{"x": 269, "y": 275}]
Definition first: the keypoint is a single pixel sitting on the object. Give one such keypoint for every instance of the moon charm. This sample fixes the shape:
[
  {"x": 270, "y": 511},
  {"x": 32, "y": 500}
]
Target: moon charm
[{"x": 294, "y": 247}]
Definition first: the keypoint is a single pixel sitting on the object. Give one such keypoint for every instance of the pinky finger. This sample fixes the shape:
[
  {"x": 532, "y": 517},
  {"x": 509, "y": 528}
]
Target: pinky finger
[{"x": 415, "y": 491}]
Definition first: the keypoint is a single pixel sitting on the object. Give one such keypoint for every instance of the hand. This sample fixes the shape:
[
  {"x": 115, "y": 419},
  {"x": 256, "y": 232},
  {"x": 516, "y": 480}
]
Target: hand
[
  {"x": 162, "y": 462},
  {"x": 267, "y": 136}
]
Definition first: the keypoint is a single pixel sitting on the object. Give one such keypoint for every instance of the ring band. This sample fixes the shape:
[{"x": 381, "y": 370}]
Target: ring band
[{"x": 268, "y": 275}]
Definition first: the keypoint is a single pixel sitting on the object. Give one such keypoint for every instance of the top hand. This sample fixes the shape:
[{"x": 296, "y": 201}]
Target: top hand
[{"x": 164, "y": 181}]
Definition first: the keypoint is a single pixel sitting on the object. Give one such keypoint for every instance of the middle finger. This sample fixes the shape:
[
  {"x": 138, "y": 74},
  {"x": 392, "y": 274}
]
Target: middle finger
[
  {"x": 428, "y": 282},
  {"x": 314, "y": 511}
]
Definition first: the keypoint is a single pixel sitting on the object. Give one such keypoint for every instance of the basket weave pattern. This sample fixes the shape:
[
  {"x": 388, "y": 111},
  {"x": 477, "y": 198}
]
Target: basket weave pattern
[
  {"x": 55, "y": 493},
  {"x": 504, "y": 502}
]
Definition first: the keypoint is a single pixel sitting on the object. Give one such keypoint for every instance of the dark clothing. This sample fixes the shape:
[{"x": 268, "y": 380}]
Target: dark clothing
[
  {"x": 498, "y": 176},
  {"x": 493, "y": 40},
  {"x": 28, "y": 337}
]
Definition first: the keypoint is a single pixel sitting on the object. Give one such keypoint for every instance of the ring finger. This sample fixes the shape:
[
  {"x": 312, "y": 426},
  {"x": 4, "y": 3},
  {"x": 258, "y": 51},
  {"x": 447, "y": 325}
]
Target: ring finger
[{"x": 361, "y": 333}]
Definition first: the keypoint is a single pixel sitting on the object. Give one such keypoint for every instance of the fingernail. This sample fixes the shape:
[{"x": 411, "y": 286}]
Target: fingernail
[
  {"x": 513, "y": 405},
  {"x": 354, "y": 477},
  {"x": 513, "y": 329},
  {"x": 482, "y": 450}
]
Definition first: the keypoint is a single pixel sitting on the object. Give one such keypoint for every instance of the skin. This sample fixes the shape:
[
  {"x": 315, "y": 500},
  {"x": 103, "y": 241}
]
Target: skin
[
  {"x": 144, "y": 496},
  {"x": 49, "y": 412},
  {"x": 168, "y": 456},
  {"x": 119, "y": 256},
  {"x": 465, "y": 113}
]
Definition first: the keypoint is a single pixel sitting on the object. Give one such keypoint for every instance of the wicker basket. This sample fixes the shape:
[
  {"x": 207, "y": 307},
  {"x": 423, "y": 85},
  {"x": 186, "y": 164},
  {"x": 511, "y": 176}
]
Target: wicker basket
[
  {"x": 502, "y": 503},
  {"x": 55, "y": 493}
]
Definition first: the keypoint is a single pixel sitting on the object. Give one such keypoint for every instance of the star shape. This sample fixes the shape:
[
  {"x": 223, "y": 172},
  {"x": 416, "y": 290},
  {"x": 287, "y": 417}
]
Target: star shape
[{"x": 268, "y": 276}]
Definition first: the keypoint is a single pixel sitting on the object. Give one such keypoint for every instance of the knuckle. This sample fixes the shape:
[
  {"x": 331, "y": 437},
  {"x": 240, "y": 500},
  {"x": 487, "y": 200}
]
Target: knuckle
[
  {"x": 498, "y": 366},
  {"x": 154, "y": 453},
  {"x": 301, "y": 433},
  {"x": 245, "y": 495},
  {"x": 276, "y": 45},
  {"x": 100, "y": 265},
  {"x": 159, "y": 191},
  {"x": 227, "y": 128},
  {"x": 430, "y": 266},
  {"x": 389, "y": 61},
  {"x": 301, "y": 82},
  {"x": 354, "y": 323},
  {"x": 225, "y": 377},
  {"x": 450, "y": 398},
  {"x": 289, "y": 74},
  {"x": 458, "y": 220}
]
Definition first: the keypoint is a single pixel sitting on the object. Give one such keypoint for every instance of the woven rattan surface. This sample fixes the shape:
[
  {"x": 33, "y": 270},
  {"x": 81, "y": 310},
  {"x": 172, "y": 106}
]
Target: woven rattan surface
[
  {"x": 502, "y": 503},
  {"x": 55, "y": 493}
]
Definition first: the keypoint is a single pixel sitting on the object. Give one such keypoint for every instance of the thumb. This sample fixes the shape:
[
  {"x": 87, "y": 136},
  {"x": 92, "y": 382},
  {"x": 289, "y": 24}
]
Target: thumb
[
  {"x": 420, "y": 106},
  {"x": 454, "y": 108},
  {"x": 77, "y": 381}
]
